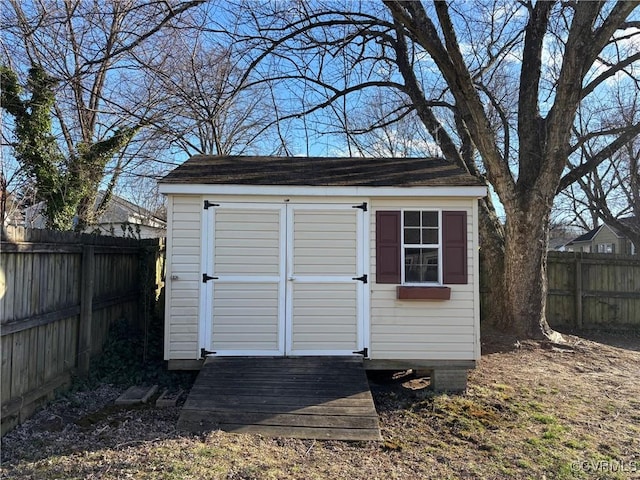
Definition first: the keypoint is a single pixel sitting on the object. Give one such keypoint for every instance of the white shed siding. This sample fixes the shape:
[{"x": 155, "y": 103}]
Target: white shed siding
[
  {"x": 183, "y": 276},
  {"x": 421, "y": 329}
]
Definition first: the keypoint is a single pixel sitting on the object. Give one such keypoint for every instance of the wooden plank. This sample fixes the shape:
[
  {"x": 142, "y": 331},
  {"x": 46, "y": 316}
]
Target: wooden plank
[
  {"x": 41, "y": 346},
  {"x": 578, "y": 293},
  {"x": 62, "y": 314},
  {"x": 8, "y": 263},
  {"x": 62, "y": 347},
  {"x": 20, "y": 363},
  {"x": 48, "y": 352},
  {"x": 291, "y": 420},
  {"x": 32, "y": 367},
  {"x": 27, "y": 280},
  {"x": 302, "y": 391},
  {"x": 6, "y": 343},
  {"x": 70, "y": 342},
  {"x": 202, "y": 424},
  {"x": 60, "y": 275},
  {"x": 40, "y": 248},
  {"x": 17, "y": 287},
  {"x": 358, "y": 411},
  {"x": 55, "y": 349},
  {"x": 86, "y": 309},
  {"x": 39, "y": 320},
  {"x": 199, "y": 396}
]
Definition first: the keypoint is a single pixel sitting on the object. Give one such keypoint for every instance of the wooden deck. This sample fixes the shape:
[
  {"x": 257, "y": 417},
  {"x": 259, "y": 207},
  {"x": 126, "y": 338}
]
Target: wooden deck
[{"x": 307, "y": 397}]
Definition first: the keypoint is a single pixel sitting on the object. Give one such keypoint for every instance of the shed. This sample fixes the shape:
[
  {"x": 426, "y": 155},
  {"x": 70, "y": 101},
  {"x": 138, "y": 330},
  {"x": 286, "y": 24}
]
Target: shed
[{"x": 299, "y": 256}]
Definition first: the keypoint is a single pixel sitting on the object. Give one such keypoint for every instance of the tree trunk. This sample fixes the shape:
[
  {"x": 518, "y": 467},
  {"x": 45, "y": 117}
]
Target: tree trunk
[
  {"x": 492, "y": 306},
  {"x": 525, "y": 271}
]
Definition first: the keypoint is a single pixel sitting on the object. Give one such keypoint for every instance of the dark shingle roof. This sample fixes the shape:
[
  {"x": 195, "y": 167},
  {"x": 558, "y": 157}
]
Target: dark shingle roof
[
  {"x": 320, "y": 171},
  {"x": 586, "y": 237}
]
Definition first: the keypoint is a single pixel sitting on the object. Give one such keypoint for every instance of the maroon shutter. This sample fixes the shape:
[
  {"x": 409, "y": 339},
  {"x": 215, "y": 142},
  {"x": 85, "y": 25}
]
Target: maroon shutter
[
  {"x": 454, "y": 247},
  {"x": 388, "y": 247}
]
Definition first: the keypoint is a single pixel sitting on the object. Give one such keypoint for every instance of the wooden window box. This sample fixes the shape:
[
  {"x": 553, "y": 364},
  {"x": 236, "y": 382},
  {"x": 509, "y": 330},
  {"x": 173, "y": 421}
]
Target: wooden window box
[{"x": 423, "y": 293}]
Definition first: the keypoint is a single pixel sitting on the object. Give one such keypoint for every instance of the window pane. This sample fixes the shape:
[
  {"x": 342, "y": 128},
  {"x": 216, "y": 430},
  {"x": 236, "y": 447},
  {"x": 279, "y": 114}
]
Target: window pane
[
  {"x": 431, "y": 274},
  {"x": 412, "y": 235},
  {"x": 430, "y": 235},
  {"x": 429, "y": 219},
  {"x": 421, "y": 265},
  {"x": 412, "y": 219},
  {"x": 412, "y": 265}
]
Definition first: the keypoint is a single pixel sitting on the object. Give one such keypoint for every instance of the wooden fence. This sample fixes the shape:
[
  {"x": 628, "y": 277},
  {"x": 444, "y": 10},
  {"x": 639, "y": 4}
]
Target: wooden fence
[
  {"x": 593, "y": 291},
  {"x": 59, "y": 294}
]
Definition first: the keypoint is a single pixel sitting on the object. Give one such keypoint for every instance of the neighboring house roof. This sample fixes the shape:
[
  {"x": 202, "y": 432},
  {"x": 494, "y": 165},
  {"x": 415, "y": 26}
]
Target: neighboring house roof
[
  {"x": 118, "y": 211},
  {"x": 320, "y": 171},
  {"x": 587, "y": 237}
]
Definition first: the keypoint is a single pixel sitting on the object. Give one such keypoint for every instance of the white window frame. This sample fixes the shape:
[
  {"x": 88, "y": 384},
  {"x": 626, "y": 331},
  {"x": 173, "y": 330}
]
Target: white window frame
[{"x": 403, "y": 247}]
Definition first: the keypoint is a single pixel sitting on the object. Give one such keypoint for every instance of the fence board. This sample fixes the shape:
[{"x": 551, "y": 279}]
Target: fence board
[
  {"x": 42, "y": 313},
  {"x": 5, "y": 368}
]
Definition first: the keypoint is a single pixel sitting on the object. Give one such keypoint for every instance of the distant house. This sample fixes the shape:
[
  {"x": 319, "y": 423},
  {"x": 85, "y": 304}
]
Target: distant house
[
  {"x": 120, "y": 219},
  {"x": 603, "y": 239}
]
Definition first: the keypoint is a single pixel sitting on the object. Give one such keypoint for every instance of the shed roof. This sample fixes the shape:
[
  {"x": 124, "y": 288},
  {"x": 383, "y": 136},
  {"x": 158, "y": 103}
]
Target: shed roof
[{"x": 320, "y": 171}]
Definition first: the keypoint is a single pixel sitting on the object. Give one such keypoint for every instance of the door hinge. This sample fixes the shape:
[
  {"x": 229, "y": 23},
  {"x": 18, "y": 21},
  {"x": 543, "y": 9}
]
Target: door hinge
[
  {"x": 364, "y": 352},
  {"x": 204, "y": 352},
  {"x": 362, "y": 206},
  {"x": 363, "y": 278},
  {"x": 206, "y": 278},
  {"x": 208, "y": 204}
]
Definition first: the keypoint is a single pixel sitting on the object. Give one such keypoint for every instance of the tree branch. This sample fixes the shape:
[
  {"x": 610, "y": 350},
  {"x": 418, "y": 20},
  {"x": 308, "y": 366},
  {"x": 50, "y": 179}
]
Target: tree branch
[{"x": 595, "y": 160}]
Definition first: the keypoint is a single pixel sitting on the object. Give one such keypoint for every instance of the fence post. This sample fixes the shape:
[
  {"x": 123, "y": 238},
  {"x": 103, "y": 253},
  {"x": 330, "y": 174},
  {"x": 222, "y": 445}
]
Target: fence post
[
  {"x": 86, "y": 309},
  {"x": 578, "y": 290}
]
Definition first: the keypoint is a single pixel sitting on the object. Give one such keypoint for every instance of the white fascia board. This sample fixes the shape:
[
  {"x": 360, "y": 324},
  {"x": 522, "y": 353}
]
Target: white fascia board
[{"x": 311, "y": 191}]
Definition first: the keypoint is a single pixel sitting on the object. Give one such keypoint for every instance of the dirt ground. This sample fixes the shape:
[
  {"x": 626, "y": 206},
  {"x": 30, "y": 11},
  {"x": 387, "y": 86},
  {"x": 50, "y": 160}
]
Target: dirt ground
[{"x": 531, "y": 411}]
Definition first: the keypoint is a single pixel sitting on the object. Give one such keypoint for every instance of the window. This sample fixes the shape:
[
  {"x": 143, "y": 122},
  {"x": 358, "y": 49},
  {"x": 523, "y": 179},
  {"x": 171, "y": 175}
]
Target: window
[
  {"x": 421, "y": 246},
  {"x": 606, "y": 248}
]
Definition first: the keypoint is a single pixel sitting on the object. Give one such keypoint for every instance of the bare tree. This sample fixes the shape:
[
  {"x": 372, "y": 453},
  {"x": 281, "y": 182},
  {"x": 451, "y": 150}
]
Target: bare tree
[
  {"x": 497, "y": 85},
  {"x": 609, "y": 193},
  {"x": 198, "y": 103},
  {"x": 83, "y": 49}
]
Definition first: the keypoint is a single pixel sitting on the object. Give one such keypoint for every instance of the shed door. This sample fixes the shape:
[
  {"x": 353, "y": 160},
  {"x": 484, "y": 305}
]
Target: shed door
[
  {"x": 324, "y": 298},
  {"x": 246, "y": 303},
  {"x": 285, "y": 280}
]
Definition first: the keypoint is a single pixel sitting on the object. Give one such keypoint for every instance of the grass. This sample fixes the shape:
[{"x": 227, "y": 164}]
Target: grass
[{"x": 527, "y": 414}]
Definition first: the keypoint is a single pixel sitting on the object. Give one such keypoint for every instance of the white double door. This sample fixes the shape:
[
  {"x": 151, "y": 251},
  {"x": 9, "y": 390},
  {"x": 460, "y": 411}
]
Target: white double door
[{"x": 288, "y": 279}]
